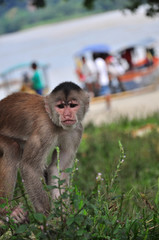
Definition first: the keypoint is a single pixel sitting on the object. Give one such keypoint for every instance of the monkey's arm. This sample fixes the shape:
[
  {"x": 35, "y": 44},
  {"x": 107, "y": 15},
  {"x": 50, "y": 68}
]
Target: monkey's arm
[
  {"x": 65, "y": 161},
  {"x": 68, "y": 148}
]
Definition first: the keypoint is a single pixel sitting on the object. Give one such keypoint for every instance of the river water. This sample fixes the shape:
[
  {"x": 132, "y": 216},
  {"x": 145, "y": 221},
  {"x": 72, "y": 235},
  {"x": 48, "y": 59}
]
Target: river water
[{"x": 56, "y": 44}]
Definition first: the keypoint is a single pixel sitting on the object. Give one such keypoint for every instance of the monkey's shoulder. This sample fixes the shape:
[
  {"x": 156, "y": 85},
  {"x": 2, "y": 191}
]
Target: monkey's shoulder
[
  {"x": 17, "y": 102},
  {"x": 15, "y": 97}
]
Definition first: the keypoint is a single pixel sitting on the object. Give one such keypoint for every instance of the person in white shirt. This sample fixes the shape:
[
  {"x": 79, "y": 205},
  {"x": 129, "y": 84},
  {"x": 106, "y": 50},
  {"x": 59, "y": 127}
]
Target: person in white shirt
[
  {"x": 103, "y": 77},
  {"x": 90, "y": 73},
  {"x": 115, "y": 70}
]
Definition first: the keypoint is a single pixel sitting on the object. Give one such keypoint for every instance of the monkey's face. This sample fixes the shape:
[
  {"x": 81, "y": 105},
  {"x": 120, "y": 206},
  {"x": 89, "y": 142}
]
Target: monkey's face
[
  {"x": 67, "y": 105},
  {"x": 67, "y": 111}
]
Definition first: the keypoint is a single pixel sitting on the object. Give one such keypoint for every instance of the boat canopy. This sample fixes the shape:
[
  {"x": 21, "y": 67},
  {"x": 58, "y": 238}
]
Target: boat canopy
[
  {"x": 21, "y": 66},
  {"x": 94, "y": 48},
  {"x": 143, "y": 43}
]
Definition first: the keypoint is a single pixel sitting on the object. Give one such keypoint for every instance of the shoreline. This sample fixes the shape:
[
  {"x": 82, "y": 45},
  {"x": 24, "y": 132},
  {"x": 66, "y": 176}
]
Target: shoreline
[{"x": 136, "y": 104}]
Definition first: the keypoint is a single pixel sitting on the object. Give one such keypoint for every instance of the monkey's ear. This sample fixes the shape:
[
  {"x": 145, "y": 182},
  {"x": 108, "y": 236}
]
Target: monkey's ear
[
  {"x": 86, "y": 99},
  {"x": 47, "y": 107}
]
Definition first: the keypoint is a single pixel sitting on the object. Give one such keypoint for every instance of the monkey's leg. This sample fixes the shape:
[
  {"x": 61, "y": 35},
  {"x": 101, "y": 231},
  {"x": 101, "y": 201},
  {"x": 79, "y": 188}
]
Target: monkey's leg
[
  {"x": 32, "y": 167},
  {"x": 8, "y": 173},
  {"x": 10, "y": 154}
]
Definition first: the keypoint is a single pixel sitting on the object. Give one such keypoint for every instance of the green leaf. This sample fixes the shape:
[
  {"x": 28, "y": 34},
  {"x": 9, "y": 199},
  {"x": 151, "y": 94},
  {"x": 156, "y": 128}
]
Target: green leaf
[
  {"x": 68, "y": 170},
  {"x": 85, "y": 212},
  {"x": 39, "y": 217},
  {"x": 49, "y": 187},
  {"x": 70, "y": 220},
  {"x": 79, "y": 219},
  {"x": 61, "y": 182},
  {"x": 80, "y": 232},
  {"x": 2, "y": 205},
  {"x": 21, "y": 228},
  {"x": 55, "y": 177}
]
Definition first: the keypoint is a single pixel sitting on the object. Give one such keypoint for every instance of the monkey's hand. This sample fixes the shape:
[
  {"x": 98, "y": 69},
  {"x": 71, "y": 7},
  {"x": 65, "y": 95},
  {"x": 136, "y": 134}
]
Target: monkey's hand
[{"x": 19, "y": 215}]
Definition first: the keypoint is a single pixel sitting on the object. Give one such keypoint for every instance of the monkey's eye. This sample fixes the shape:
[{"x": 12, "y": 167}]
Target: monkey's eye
[
  {"x": 61, "y": 105},
  {"x": 72, "y": 105}
]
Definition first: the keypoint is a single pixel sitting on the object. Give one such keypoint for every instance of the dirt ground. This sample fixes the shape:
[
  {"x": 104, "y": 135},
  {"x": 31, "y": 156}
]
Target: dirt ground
[{"x": 134, "y": 104}]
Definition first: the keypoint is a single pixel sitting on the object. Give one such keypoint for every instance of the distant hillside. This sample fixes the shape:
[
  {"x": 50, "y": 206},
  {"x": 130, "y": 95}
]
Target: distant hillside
[{"x": 17, "y": 14}]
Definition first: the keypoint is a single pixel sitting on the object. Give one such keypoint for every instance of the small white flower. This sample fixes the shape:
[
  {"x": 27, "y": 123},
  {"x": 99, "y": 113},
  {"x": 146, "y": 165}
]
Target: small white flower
[{"x": 99, "y": 177}]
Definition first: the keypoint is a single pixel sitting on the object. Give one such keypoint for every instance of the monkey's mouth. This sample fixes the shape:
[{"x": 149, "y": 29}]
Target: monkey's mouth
[{"x": 69, "y": 122}]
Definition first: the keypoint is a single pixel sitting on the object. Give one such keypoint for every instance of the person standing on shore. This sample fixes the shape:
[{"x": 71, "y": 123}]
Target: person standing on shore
[
  {"x": 103, "y": 77},
  {"x": 89, "y": 71},
  {"x": 37, "y": 79},
  {"x": 115, "y": 70}
]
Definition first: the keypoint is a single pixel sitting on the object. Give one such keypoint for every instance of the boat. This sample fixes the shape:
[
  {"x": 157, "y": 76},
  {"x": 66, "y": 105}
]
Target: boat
[
  {"x": 11, "y": 79},
  {"x": 142, "y": 63},
  {"x": 143, "y": 71}
]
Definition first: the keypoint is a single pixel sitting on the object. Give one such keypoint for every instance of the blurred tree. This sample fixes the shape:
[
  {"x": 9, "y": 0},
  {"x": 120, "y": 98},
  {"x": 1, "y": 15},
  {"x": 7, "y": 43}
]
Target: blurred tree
[
  {"x": 152, "y": 8},
  {"x": 38, "y": 3}
]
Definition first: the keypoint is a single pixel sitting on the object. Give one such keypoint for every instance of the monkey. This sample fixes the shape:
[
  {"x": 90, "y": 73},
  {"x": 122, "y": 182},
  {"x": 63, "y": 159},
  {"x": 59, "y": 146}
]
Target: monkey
[{"x": 30, "y": 126}]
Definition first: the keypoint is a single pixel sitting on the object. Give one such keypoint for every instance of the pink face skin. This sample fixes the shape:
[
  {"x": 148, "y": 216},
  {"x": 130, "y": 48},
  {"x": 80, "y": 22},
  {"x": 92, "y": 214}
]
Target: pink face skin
[{"x": 67, "y": 112}]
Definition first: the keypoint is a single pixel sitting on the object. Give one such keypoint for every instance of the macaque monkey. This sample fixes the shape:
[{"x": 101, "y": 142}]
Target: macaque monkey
[{"x": 32, "y": 125}]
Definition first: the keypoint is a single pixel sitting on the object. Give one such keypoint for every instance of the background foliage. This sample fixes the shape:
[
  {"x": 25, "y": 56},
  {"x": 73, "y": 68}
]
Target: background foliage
[{"x": 19, "y": 14}]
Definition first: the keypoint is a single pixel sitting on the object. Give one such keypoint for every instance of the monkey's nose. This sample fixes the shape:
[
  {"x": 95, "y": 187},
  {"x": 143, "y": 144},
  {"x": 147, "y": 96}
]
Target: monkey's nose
[{"x": 67, "y": 111}]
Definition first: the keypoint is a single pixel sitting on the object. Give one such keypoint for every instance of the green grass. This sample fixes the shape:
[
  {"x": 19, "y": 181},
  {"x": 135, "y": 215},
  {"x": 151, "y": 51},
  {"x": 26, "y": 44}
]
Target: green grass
[
  {"x": 114, "y": 191},
  {"x": 99, "y": 152}
]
